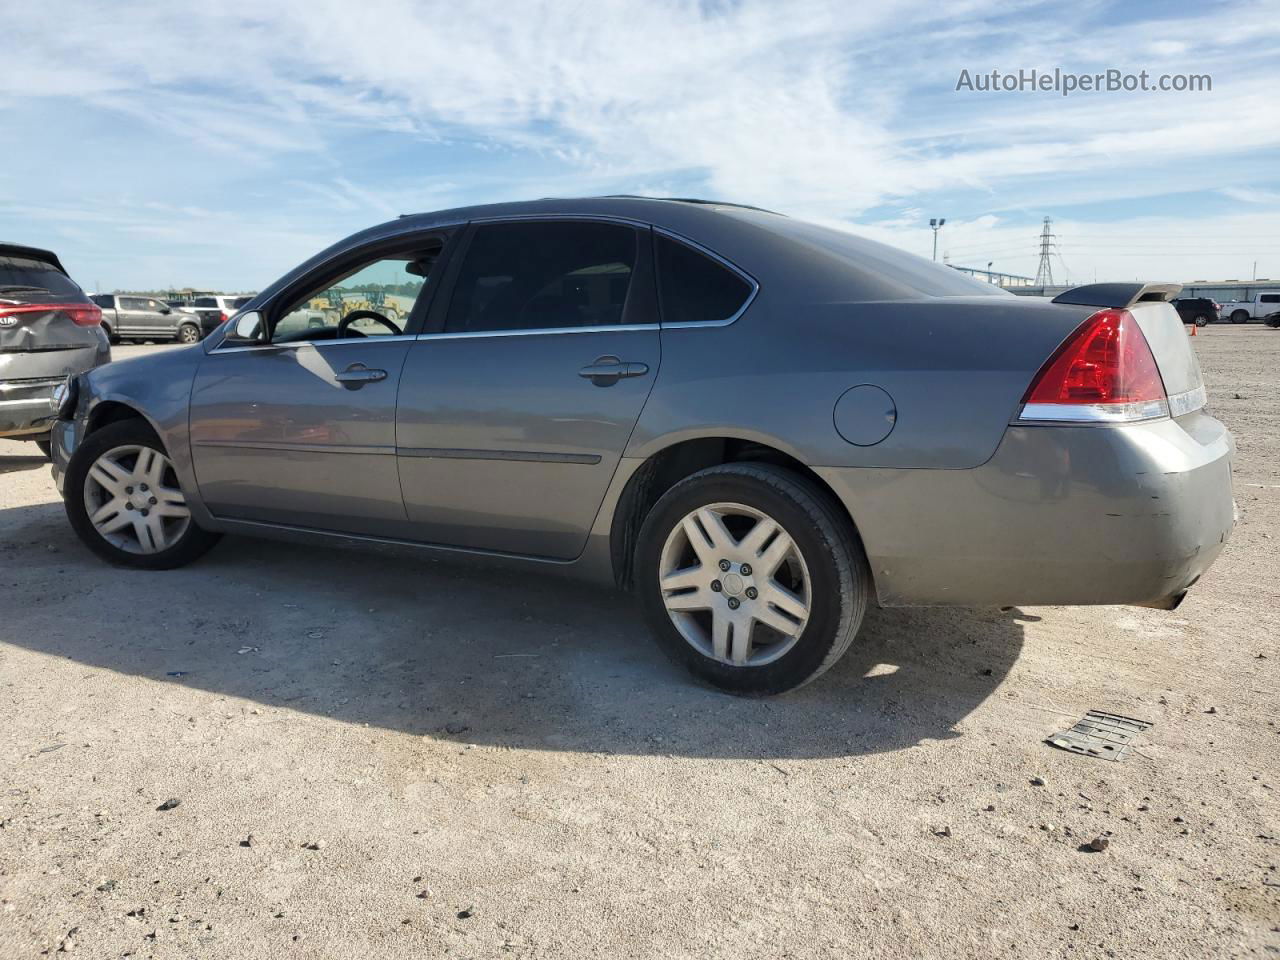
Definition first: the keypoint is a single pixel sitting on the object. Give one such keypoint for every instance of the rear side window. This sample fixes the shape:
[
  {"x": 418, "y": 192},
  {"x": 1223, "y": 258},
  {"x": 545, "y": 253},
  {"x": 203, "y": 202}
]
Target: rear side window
[
  {"x": 104, "y": 300},
  {"x": 1271, "y": 298},
  {"x": 694, "y": 287},
  {"x": 19, "y": 275},
  {"x": 543, "y": 274}
]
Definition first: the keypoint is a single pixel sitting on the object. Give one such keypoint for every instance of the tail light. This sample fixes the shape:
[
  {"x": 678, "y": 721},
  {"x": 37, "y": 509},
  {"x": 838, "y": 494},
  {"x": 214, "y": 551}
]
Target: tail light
[
  {"x": 1104, "y": 372},
  {"x": 81, "y": 314},
  {"x": 224, "y": 317}
]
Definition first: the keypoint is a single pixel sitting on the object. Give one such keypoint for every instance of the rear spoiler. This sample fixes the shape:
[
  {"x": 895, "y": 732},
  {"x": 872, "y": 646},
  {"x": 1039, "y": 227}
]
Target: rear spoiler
[
  {"x": 31, "y": 253},
  {"x": 1119, "y": 295}
]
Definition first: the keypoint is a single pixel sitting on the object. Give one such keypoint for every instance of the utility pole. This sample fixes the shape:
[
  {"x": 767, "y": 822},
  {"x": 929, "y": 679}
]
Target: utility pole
[
  {"x": 1044, "y": 272},
  {"x": 936, "y": 223}
]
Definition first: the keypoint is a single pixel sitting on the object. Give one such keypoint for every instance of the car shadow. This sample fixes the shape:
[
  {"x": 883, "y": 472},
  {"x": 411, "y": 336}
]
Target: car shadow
[
  {"x": 15, "y": 464},
  {"x": 462, "y": 649}
]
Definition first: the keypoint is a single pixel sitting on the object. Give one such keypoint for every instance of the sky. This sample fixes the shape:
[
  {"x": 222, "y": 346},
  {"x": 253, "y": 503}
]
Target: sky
[{"x": 217, "y": 145}]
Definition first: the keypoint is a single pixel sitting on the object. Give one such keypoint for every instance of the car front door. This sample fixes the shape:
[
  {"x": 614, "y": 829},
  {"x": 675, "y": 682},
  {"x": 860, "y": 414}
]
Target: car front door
[
  {"x": 161, "y": 320},
  {"x": 300, "y": 430},
  {"x": 516, "y": 405}
]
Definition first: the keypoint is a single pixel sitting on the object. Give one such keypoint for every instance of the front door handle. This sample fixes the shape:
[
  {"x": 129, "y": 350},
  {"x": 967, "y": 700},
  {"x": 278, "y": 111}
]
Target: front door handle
[
  {"x": 357, "y": 375},
  {"x": 606, "y": 371}
]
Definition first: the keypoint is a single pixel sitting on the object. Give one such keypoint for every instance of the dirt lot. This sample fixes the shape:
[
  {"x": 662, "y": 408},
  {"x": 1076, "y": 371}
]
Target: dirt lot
[{"x": 490, "y": 764}]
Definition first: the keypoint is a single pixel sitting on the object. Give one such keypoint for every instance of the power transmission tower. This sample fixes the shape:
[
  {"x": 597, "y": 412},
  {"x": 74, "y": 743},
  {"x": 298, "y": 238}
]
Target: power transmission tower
[{"x": 1044, "y": 272}]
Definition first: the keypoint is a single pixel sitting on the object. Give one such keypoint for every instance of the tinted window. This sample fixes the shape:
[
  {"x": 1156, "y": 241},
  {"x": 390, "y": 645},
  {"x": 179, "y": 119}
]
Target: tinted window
[
  {"x": 205, "y": 302},
  {"x": 24, "y": 275},
  {"x": 694, "y": 287},
  {"x": 237, "y": 302},
  {"x": 104, "y": 300},
  {"x": 1271, "y": 298},
  {"x": 521, "y": 276}
]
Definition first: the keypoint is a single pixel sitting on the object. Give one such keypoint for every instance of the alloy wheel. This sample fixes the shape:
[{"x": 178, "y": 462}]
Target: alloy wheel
[
  {"x": 133, "y": 500},
  {"x": 734, "y": 584}
]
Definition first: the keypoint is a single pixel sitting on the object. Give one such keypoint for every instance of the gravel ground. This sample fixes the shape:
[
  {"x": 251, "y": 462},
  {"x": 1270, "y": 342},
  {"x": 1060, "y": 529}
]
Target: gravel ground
[{"x": 386, "y": 756}]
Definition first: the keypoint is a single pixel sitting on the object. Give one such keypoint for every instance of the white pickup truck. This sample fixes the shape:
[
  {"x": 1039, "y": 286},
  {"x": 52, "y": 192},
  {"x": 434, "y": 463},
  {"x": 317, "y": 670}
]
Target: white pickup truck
[{"x": 1242, "y": 311}]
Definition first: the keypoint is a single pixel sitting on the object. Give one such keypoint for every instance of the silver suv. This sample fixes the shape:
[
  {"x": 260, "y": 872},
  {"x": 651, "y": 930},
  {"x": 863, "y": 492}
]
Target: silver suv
[{"x": 48, "y": 330}]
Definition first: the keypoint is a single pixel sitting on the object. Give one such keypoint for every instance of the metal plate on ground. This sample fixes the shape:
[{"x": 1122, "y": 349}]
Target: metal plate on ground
[{"x": 1103, "y": 735}]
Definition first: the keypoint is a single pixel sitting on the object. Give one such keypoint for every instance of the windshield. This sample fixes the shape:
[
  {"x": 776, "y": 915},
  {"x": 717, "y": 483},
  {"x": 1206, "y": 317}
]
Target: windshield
[{"x": 24, "y": 275}]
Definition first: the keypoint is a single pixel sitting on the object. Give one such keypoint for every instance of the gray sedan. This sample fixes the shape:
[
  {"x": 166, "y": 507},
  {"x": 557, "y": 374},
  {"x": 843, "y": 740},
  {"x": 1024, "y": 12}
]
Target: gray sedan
[{"x": 759, "y": 424}]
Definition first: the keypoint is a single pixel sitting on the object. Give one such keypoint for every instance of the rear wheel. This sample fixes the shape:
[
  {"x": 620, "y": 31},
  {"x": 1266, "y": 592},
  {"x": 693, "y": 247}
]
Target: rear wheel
[
  {"x": 188, "y": 333},
  {"x": 1240, "y": 316},
  {"x": 111, "y": 335},
  {"x": 46, "y": 447},
  {"x": 124, "y": 501},
  {"x": 750, "y": 578}
]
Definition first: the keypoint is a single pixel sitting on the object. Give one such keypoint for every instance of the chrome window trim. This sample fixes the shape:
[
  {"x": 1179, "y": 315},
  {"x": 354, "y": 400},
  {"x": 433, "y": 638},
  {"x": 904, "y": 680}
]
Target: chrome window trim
[
  {"x": 538, "y": 331},
  {"x": 729, "y": 264},
  {"x": 295, "y": 344}
]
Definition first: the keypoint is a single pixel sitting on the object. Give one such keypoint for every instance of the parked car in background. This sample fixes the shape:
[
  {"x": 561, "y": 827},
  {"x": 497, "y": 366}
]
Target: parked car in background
[
  {"x": 1197, "y": 310},
  {"x": 1272, "y": 319},
  {"x": 135, "y": 317},
  {"x": 1242, "y": 311},
  {"x": 49, "y": 329},
  {"x": 229, "y": 304},
  {"x": 696, "y": 400},
  {"x": 208, "y": 313}
]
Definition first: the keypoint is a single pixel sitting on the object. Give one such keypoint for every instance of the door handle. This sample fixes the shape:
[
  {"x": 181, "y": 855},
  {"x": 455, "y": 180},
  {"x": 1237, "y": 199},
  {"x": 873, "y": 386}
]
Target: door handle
[
  {"x": 606, "y": 371},
  {"x": 357, "y": 375}
]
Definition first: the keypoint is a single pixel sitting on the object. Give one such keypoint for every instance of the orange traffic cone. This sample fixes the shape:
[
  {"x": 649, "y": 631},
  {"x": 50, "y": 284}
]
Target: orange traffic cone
[{"x": 1192, "y": 333}]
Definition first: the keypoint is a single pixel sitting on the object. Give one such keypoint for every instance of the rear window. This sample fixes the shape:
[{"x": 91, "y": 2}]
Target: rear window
[
  {"x": 694, "y": 287},
  {"x": 24, "y": 275},
  {"x": 238, "y": 302},
  {"x": 104, "y": 300},
  {"x": 204, "y": 302}
]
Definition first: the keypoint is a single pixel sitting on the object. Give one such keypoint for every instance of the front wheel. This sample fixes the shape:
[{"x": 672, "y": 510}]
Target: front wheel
[
  {"x": 751, "y": 578},
  {"x": 124, "y": 501},
  {"x": 1202, "y": 320}
]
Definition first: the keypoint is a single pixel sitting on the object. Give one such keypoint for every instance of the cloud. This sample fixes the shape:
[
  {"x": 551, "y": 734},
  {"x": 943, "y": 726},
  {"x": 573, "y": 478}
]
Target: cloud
[{"x": 306, "y": 116}]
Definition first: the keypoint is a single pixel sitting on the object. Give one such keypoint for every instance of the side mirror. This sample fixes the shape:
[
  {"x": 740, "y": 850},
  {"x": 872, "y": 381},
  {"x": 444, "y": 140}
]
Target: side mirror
[
  {"x": 247, "y": 328},
  {"x": 166, "y": 309}
]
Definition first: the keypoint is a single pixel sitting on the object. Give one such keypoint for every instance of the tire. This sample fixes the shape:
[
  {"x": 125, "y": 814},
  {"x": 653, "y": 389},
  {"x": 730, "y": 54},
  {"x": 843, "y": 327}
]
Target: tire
[
  {"x": 1202, "y": 320},
  {"x": 1240, "y": 316},
  {"x": 824, "y": 565},
  {"x": 111, "y": 337},
  {"x": 117, "y": 444},
  {"x": 46, "y": 447},
  {"x": 188, "y": 333}
]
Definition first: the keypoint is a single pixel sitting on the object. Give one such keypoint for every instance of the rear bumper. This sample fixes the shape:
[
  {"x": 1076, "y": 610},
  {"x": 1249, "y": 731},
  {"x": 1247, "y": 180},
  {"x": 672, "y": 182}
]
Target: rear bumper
[
  {"x": 1059, "y": 515},
  {"x": 26, "y": 406}
]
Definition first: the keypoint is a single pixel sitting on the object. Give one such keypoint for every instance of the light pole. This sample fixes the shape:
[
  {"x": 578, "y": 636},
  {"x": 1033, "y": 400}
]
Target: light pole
[
  {"x": 937, "y": 225},
  {"x": 990, "y": 278}
]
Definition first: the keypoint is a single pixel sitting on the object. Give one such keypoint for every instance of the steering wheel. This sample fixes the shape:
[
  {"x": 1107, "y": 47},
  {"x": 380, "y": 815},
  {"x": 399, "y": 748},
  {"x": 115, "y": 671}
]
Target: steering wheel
[{"x": 355, "y": 315}]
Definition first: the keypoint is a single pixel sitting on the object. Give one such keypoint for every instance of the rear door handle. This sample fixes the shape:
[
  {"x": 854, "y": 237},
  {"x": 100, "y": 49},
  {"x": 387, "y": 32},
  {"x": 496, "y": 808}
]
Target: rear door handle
[
  {"x": 606, "y": 371},
  {"x": 357, "y": 375}
]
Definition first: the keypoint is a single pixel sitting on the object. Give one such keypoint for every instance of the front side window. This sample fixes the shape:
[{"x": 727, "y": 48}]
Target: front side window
[
  {"x": 132, "y": 303},
  {"x": 694, "y": 287},
  {"x": 373, "y": 299},
  {"x": 539, "y": 275}
]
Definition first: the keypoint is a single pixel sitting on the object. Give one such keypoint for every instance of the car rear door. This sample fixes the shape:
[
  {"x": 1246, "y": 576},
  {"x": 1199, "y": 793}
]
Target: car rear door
[{"x": 516, "y": 405}]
